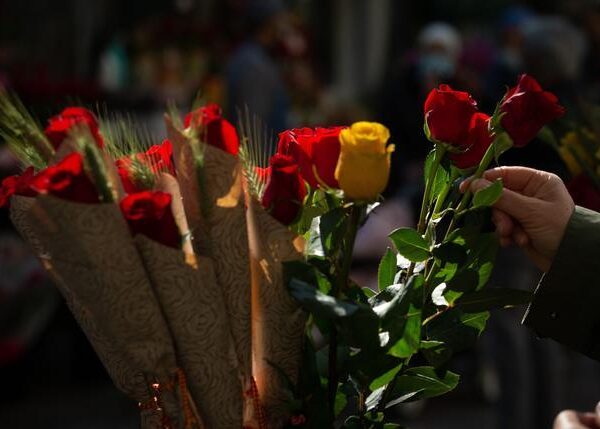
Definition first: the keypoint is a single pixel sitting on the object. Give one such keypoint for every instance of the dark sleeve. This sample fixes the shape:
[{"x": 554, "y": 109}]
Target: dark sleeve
[{"x": 566, "y": 303}]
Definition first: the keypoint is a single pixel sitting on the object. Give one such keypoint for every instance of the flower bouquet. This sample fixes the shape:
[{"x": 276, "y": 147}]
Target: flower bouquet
[{"x": 215, "y": 285}]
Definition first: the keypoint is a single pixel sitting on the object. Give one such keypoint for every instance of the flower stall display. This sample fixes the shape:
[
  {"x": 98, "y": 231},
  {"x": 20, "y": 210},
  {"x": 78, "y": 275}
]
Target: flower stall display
[{"x": 211, "y": 272}]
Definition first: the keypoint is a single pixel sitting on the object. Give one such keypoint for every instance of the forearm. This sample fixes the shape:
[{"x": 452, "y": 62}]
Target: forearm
[{"x": 565, "y": 304}]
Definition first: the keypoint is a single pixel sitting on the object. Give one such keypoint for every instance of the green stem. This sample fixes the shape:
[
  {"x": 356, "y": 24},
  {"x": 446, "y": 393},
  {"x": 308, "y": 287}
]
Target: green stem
[
  {"x": 466, "y": 198},
  {"x": 98, "y": 172},
  {"x": 441, "y": 199},
  {"x": 439, "y": 153},
  {"x": 338, "y": 287}
]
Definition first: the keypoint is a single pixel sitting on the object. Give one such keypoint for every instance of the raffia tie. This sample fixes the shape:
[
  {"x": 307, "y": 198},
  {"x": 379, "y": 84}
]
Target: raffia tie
[
  {"x": 191, "y": 419},
  {"x": 259, "y": 411}
]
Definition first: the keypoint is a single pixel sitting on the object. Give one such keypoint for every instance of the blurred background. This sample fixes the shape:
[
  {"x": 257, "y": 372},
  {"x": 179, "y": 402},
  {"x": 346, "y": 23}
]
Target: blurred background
[{"x": 296, "y": 62}]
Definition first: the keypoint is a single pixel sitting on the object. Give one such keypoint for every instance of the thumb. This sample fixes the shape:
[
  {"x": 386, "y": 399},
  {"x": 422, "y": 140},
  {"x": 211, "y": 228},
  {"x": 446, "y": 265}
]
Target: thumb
[{"x": 512, "y": 203}]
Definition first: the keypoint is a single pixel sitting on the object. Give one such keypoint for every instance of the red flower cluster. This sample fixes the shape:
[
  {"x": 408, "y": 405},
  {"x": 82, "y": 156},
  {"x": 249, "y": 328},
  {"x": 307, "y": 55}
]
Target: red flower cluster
[
  {"x": 452, "y": 118},
  {"x": 67, "y": 180},
  {"x": 149, "y": 213},
  {"x": 285, "y": 189},
  {"x": 61, "y": 125},
  {"x": 19, "y": 184},
  {"x": 303, "y": 155},
  {"x": 157, "y": 159},
  {"x": 316, "y": 151},
  {"x": 214, "y": 129}
]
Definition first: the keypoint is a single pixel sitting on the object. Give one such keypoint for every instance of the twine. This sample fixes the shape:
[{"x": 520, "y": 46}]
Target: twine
[{"x": 191, "y": 418}]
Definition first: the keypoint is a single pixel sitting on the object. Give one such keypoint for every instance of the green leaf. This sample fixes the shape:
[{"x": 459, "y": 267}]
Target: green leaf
[
  {"x": 340, "y": 403},
  {"x": 488, "y": 196},
  {"x": 492, "y": 298},
  {"x": 410, "y": 244},
  {"x": 332, "y": 229},
  {"x": 442, "y": 176},
  {"x": 370, "y": 293},
  {"x": 374, "y": 398},
  {"x": 423, "y": 382},
  {"x": 450, "y": 252},
  {"x": 385, "y": 378},
  {"x": 387, "y": 269},
  {"x": 465, "y": 280},
  {"x": 455, "y": 328},
  {"x": 319, "y": 304},
  {"x": 360, "y": 329},
  {"x": 403, "y": 321}
]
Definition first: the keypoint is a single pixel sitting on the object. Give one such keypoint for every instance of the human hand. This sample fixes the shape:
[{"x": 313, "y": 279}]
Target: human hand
[
  {"x": 532, "y": 212},
  {"x": 570, "y": 419}
]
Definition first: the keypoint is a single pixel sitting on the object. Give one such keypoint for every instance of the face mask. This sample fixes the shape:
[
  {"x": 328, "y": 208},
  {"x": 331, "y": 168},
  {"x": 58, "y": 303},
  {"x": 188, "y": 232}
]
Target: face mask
[{"x": 436, "y": 65}]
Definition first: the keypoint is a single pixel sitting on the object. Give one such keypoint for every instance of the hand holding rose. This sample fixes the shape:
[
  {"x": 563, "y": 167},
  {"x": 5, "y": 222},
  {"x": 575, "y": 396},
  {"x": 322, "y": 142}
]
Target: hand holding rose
[{"x": 533, "y": 211}]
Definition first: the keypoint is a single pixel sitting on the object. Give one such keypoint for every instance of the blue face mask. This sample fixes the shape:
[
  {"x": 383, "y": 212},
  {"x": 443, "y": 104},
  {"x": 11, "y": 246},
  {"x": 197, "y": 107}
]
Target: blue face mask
[{"x": 435, "y": 64}]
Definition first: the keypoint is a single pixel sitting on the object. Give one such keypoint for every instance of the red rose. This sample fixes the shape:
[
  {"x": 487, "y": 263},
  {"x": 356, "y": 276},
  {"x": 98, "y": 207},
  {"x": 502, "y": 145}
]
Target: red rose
[
  {"x": 527, "y": 108},
  {"x": 448, "y": 115},
  {"x": 285, "y": 191},
  {"x": 156, "y": 159},
  {"x": 478, "y": 141},
  {"x": 214, "y": 130},
  {"x": 19, "y": 184},
  {"x": 149, "y": 213},
  {"x": 584, "y": 192},
  {"x": 317, "y": 149},
  {"x": 59, "y": 126},
  {"x": 67, "y": 180}
]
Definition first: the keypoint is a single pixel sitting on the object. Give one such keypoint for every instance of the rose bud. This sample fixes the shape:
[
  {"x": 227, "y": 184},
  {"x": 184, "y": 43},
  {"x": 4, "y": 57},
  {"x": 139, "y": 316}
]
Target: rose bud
[
  {"x": 149, "y": 213},
  {"x": 285, "y": 190},
  {"x": 479, "y": 139},
  {"x": 61, "y": 125},
  {"x": 316, "y": 152},
  {"x": 448, "y": 115},
  {"x": 67, "y": 180},
  {"x": 213, "y": 128},
  {"x": 526, "y": 109},
  {"x": 138, "y": 172},
  {"x": 363, "y": 168},
  {"x": 19, "y": 184}
]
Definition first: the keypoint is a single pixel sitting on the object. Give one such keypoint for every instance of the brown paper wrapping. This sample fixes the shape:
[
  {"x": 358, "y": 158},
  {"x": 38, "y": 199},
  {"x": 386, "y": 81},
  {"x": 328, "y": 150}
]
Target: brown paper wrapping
[
  {"x": 88, "y": 251},
  {"x": 278, "y": 322},
  {"x": 223, "y": 226},
  {"x": 193, "y": 306}
]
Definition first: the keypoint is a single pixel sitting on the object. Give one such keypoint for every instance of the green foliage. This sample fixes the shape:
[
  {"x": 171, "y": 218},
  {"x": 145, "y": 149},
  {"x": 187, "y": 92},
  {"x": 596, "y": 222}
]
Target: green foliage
[
  {"x": 488, "y": 196},
  {"x": 410, "y": 244},
  {"x": 387, "y": 270}
]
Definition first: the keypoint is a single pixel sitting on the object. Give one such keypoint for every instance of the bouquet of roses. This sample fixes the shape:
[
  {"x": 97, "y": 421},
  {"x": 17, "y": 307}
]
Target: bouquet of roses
[
  {"x": 364, "y": 350},
  {"x": 192, "y": 265}
]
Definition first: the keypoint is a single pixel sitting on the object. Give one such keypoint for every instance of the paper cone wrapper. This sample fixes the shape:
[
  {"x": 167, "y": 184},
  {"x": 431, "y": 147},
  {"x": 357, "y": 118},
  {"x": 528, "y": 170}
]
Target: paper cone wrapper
[
  {"x": 278, "y": 322},
  {"x": 219, "y": 230},
  {"x": 193, "y": 305},
  {"x": 88, "y": 251}
]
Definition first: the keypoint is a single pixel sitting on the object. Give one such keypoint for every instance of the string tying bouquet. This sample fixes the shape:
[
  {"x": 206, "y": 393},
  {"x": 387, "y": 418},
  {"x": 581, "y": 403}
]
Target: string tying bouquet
[{"x": 211, "y": 274}]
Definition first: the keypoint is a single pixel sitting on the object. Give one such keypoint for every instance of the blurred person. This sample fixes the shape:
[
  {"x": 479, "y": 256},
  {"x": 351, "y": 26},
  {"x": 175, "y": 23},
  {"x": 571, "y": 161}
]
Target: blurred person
[
  {"x": 254, "y": 79},
  {"x": 436, "y": 61},
  {"x": 509, "y": 62},
  {"x": 554, "y": 52},
  {"x": 537, "y": 213}
]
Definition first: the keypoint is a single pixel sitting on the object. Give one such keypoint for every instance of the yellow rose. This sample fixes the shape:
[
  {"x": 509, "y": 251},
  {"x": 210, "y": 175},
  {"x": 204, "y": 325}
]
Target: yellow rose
[{"x": 363, "y": 168}]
